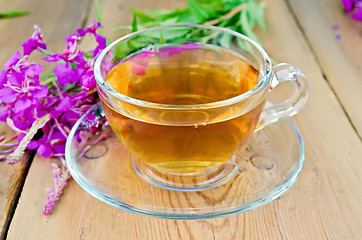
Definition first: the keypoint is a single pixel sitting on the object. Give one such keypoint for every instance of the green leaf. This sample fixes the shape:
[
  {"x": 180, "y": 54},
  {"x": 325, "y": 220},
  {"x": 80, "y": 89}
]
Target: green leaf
[
  {"x": 225, "y": 40},
  {"x": 232, "y": 4},
  {"x": 120, "y": 51},
  {"x": 48, "y": 80},
  {"x": 73, "y": 65},
  {"x": 230, "y": 22},
  {"x": 198, "y": 11},
  {"x": 99, "y": 12},
  {"x": 143, "y": 17},
  {"x": 211, "y": 1},
  {"x": 187, "y": 19},
  {"x": 14, "y": 13},
  {"x": 251, "y": 19},
  {"x": 245, "y": 27},
  {"x": 134, "y": 23},
  {"x": 139, "y": 42},
  {"x": 238, "y": 15},
  {"x": 68, "y": 87},
  {"x": 46, "y": 75},
  {"x": 246, "y": 47},
  {"x": 256, "y": 12},
  {"x": 169, "y": 34},
  {"x": 173, "y": 14},
  {"x": 123, "y": 28},
  {"x": 157, "y": 12},
  {"x": 169, "y": 21}
]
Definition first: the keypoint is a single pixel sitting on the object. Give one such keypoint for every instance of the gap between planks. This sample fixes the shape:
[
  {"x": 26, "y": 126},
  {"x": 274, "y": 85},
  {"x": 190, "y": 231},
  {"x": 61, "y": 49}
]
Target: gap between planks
[
  {"x": 296, "y": 20},
  {"x": 341, "y": 104}
]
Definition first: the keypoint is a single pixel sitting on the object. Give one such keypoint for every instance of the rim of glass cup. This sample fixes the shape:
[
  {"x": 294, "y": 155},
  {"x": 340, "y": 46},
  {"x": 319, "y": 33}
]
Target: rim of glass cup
[{"x": 267, "y": 67}]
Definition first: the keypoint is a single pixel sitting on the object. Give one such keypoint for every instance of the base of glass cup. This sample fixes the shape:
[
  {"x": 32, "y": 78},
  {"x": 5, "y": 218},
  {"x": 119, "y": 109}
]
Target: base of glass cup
[{"x": 186, "y": 182}]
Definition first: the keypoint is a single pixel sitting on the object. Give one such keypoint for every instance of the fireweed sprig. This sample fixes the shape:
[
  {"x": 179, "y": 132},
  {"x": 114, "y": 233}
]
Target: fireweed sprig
[{"x": 50, "y": 103}]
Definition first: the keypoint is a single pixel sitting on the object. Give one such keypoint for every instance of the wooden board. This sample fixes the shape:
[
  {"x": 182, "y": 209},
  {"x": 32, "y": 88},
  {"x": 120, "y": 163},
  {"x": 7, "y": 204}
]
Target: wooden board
[
  {"x": 48, "y": 15},
  {"x": 324, "y": 203},
  {"x": 11, "y": 181},
  {"x": 340, "y": 60}
]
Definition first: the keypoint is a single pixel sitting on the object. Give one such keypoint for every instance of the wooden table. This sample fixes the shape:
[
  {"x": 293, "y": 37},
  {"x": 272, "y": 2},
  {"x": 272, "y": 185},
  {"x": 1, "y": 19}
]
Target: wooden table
[{"x": 324, "y": 203}]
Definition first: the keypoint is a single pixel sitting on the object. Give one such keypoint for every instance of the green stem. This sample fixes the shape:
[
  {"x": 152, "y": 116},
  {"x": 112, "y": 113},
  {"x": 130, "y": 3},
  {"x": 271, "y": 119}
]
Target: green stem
[
  {"x": 48, "y": 81},
  {"x": 10, "y": 139}
]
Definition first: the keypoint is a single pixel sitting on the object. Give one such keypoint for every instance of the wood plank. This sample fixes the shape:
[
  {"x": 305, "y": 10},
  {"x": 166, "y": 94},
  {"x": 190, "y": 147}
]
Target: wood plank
[
  {"x": 11, "y": 177},
  {"x": 323, "y": 204},
  {"x": 11, "y": 180},
  {"x": 340, "y": 60},
  {"x": 14, "y": 32}
]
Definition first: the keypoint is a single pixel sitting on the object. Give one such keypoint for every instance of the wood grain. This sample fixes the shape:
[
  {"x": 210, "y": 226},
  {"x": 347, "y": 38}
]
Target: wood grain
[
  {"x": 323, "y": 204},
  {"x": 50, "y": 16},
  {"x": 340, "y": 60}
]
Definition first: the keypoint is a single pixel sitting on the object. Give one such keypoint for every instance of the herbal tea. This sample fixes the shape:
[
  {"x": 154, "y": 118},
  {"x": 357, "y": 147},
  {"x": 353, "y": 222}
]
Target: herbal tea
[{"x": 183, "y": 75}]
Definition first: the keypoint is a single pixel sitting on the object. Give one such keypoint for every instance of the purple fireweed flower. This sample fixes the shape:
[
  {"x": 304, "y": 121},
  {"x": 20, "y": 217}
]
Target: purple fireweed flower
[
  {"x": 66, "y": 74},
  {"x": 83, "y": 70},
  {"x": 92, "y": 28},
  {"x": 347, "y": 4},
  {"x": 88, "y": 81},
  {"x": 64, "y": 105},
  {"x": 3, "y": 77},
  {"x": 13, "y": 60},
  {"x": 60, "y": 180},
  {"x": 71, "y": 53},
  {"x": 355, "y": 6},
  {"x": 171, "y": 50},
  {"x": 102, "y": 44},
  {"x": 140, "y": 61},
  {"x": 20, "y": 89},
  {"x": 101, "y": 40},
  {"x": 357, "y": 15},
  {"x": 50, "y": 144},
  {"x": 33, "y": 43},
  {"x": 4, "y": 113}
]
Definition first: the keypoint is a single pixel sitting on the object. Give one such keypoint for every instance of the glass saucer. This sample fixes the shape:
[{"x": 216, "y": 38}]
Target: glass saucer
[{"x": 269, "y": 163}]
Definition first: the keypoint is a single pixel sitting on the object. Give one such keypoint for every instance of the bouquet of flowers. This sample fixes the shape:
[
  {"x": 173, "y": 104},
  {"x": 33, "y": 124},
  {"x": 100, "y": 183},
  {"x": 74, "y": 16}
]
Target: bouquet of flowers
[{"x": 53, "y": 102}]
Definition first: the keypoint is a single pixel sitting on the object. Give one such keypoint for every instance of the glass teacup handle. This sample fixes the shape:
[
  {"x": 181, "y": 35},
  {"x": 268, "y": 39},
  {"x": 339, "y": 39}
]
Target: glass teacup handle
[{"x": 274, "y": 112}]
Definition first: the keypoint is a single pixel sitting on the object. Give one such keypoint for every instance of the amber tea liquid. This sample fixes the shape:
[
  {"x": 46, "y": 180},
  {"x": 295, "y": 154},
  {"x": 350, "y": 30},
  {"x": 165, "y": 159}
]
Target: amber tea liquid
[{"x": 180, "y": 75}]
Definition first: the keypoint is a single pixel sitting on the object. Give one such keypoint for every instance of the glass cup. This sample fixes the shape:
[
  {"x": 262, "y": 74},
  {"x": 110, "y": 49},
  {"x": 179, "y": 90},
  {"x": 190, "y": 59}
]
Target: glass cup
[{"x": 185, "y": 108}]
